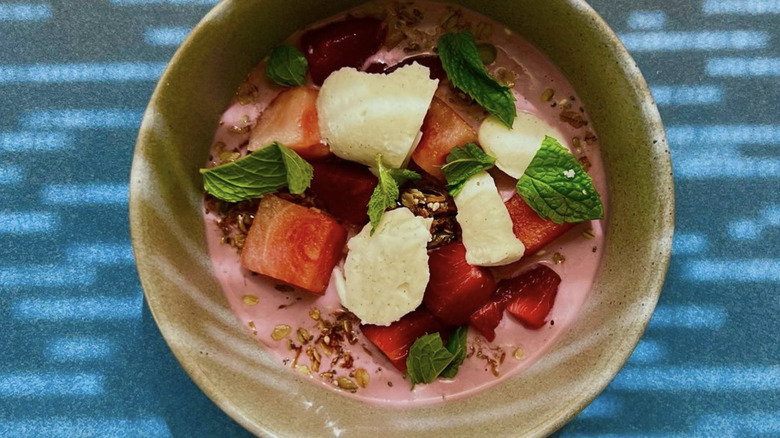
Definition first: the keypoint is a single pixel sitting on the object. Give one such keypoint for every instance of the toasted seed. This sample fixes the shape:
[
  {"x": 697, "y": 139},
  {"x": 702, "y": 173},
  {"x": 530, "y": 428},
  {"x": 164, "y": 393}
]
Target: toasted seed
[
  {"x": 558, "y": 258},
  {"x": 506, "y": 77},
  {"x": 303, "y": 369},
  {"x": 589, "y": 234},
  {"x": 250, "y": 300},
  {"x": 246, "y": 93},
  {"x": 519, "y": 354},
  {"x": 362, "y": 377},
  {"x": 280, "y": 331},
  {"x": 548, "y": 94},
  {"x": 314, "y": 314},
  {"x": 575, "y": 142},
  {"x": 346, "y": 383},
  {"x": 303, "y": 336},
  {"x": 487, "y": 53},
  {"x": 252, "y": 327}
]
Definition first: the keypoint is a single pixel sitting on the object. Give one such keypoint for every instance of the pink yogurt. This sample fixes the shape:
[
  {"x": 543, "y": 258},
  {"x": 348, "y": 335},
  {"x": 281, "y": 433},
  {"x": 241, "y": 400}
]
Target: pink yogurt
[{"x": 522, "y": 347}]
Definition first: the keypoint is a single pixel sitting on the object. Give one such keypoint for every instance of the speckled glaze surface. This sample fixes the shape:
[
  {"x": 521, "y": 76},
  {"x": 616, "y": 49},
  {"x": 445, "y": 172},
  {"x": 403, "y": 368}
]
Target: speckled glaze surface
[{"x": 268, "y": 399}]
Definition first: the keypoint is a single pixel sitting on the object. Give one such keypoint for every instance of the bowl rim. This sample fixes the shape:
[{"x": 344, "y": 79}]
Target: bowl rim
[{"x": 664, "y": 231}]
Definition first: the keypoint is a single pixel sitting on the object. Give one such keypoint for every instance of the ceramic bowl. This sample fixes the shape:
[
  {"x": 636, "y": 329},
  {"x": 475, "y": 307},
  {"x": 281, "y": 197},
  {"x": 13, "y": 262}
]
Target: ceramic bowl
[{"x": 268, "y": 399}]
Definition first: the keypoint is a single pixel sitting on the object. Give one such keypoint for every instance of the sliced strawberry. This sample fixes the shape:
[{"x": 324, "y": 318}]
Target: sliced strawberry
[
  {"x": 293, "y": 244},
  {"x": 396, "y": 339},
  {"x": 528, "y": 297},
  {"x": 431, "y": 61},
  {"x": 291, "y": 119},
  {"x": 344, "y": 189},
  {"x": 346, "y": 43},
  {"x": 486, "y": 319},
  {"x": 530, "y": 228},
  {"x": 442, "y": 130},
  {"x": 455, "y": 288},
  {"x": 533, "y": 295}
]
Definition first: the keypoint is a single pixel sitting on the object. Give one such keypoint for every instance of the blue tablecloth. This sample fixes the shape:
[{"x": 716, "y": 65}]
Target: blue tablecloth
[{"x": 81, "y": 355}]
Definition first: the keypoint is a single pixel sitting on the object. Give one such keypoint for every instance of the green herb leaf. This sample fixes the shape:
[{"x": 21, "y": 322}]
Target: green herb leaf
[
  {"x": 287, "y": 66},
  {"x": 299, "y": 172},
  {"x": 463, "y": 163},
  {"x": 258, "y": 174},
  {"x": 386, "y": 191},
  {"x": 557, "y": 187},
  {"x": 456, "y": 345},
  {"x": 460, "y": 59},
  {"x": 427, "y": 359}
]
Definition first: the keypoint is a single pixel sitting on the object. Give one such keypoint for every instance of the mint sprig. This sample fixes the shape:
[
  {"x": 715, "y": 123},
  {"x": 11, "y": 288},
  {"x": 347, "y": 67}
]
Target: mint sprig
[
  {"x": 427, "y": 359},
  {"x": 460, "y": 59},
  {"x": 462, "y": 163},
  {"x": 287, "y": 66},
  {"x": 557, "y": 187},
  {"x": 387, "y": 190},
  {"x": 456, "y": 345},
  {"x": 259, "y": 173}
]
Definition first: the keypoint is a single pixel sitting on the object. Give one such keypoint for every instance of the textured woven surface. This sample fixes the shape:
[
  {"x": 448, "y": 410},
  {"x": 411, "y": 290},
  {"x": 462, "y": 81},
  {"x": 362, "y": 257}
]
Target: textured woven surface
[{"x": 81, "y": 355}]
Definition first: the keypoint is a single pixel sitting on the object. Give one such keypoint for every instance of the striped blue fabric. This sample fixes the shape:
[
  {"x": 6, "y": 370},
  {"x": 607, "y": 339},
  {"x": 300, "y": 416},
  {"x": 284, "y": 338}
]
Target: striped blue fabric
[{"x": 82, "y": 356}]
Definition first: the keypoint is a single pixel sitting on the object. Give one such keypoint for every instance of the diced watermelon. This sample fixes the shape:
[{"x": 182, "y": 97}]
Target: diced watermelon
[
  {"x": 442, "y": 130},
  {"x": 528, "y": 297},
  {"x": 291, "y": 119},
  {"x": 530, "y": 228},
  {"x": 455, "y": 288},
  {"x": 533, "y": 295},
  {"x": 396, "y": 339},
  {"x": 344, "y": 188},
  {"x": 293, "y": 244},
  {"x": 346, "y": 43}
]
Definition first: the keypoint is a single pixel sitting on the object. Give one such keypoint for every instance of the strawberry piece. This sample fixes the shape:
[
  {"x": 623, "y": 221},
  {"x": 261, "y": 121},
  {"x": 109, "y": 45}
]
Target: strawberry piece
[
  {"x": 291, "y": 119},
  {"x": 486, "y": 319},
  {"x": 533, "y": 295},
  {"x": 396, "y": 339},
  {"x": 344, "y": 189},
  {"x": 431, "y": 61},
  {"x": 346, "y": 43},
  {"x": 293, "y": 244},
  {"x": 455, "y": 288},
  {"x": 530, "y": 228},
  {"x": 442, "y": 130},
  {"x": 528, "y": 297}
]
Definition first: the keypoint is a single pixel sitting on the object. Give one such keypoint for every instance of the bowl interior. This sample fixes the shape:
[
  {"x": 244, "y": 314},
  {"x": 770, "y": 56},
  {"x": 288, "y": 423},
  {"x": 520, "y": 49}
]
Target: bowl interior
[{"x": 194, "y": 317}]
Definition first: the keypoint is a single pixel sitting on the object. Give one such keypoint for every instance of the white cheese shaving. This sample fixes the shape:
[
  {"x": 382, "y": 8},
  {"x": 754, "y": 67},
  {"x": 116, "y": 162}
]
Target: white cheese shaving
[
  {"x": 362, "y": 114},
  {"x": 385, "y": 275},
  {"x": 485, "y": 223}
]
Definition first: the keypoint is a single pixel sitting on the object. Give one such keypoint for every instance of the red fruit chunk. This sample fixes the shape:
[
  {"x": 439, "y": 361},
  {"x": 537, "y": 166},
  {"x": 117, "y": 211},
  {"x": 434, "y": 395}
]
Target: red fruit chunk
[
  {"x": 344, "y": 189},
  {"x": 533, "y": 295},
  {"x": 291, "y": 119},
  {"x": 486, "y": 319},
  {"x": 442, "y": 130},
  {"x": 396, "y": 339},
  {"x": 456, "y": 289},
  {"x": 293, "y": 244},
  {"x": 431, "y": 61},
  {"x": 530, "y": 296},
  {"x": 530, "y": 228},
  {"x": 340, "y": 44}
]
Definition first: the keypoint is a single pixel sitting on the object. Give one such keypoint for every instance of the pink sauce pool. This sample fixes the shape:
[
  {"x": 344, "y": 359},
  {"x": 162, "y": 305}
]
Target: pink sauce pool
[{"x": 260, "y": 306}]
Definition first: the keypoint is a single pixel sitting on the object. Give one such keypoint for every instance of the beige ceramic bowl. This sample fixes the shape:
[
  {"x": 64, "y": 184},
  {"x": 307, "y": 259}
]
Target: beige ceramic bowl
[{"x": 269, "y": 400}]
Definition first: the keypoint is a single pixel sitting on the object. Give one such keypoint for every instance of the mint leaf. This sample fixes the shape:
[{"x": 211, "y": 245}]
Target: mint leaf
[
  {"x": 427, "y": 359},
  {"x": 403, "y": 175},
  {"x": 557, "y": 187},
  {"x": 456, "y": 345},
  {"x": 287, "y": 66},
  {"x": 258, "y": 174},
  {"x": 386, "y": 191},
  {"x": 299, "y": 172},
  {"x": 462, "y": 163},
  {"x": 460, "y": 59}
]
